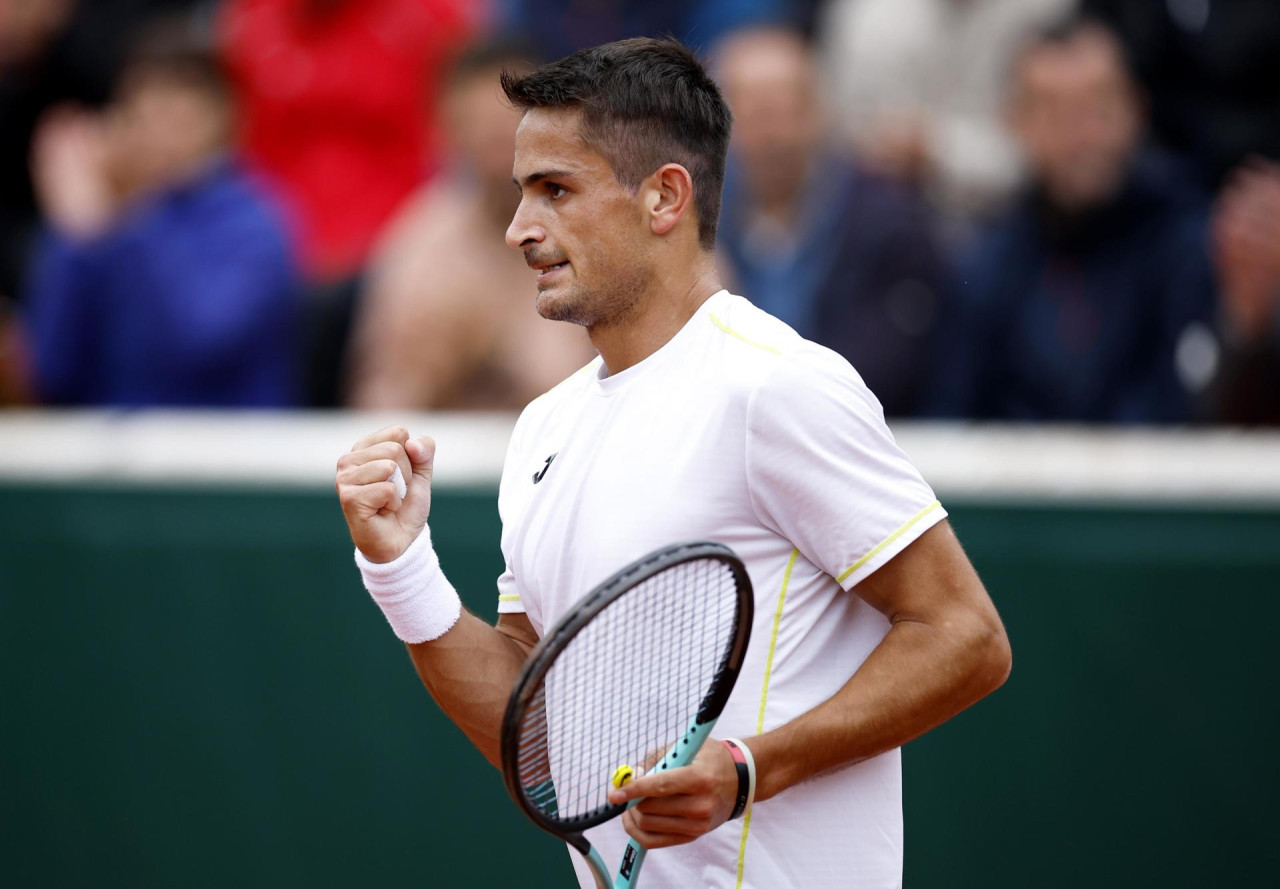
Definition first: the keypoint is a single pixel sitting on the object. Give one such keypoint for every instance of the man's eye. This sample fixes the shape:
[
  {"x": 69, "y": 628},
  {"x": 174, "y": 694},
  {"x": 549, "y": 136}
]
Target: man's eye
[{"x": 555, "y": 191}]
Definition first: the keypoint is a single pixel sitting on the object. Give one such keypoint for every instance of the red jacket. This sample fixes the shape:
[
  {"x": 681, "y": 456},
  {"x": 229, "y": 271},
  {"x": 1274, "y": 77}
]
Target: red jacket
[{"x": 338, "y": 105}]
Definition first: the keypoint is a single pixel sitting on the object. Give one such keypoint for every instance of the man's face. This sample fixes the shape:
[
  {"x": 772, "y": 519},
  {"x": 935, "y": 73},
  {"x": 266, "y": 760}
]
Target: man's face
[
  {"x": 481, "y": 127},
  {"x": 587, "y": 238},
  {"x": 163, "y": 129},
  {"x": 1078, "y": 118},
  {"x": 768, "y": 80}
]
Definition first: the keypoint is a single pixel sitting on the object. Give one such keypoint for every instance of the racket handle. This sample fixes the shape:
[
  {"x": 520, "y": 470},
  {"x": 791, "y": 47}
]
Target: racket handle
[{"x": 681, "y": 754}]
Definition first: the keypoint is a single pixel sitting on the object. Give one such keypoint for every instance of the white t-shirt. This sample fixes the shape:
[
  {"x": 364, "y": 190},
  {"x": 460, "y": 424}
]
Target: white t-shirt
[{"x": 739, "y": 431}]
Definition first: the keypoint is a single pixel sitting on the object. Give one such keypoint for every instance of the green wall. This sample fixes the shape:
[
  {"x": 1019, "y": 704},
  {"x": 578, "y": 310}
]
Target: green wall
[{"x": 195, "y": 692}]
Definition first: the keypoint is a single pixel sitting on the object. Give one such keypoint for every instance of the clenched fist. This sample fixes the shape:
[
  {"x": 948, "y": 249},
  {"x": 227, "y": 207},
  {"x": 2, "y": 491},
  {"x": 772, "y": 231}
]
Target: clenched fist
[{"x": 381, "y": 521}]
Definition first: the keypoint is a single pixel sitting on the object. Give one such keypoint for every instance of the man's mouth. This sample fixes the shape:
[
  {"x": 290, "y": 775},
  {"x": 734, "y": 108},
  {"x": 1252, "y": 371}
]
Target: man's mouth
[{"x": 547, "y": 270}]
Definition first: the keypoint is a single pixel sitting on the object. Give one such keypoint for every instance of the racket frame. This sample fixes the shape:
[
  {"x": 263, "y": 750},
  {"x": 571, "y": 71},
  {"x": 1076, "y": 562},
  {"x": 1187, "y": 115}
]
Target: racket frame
[{"x": 685, "y": 748}]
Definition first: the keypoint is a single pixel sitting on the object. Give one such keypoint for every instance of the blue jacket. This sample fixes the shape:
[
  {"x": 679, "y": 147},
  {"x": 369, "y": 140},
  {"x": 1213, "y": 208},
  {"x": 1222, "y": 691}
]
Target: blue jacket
[
  {"x": 191, "y": 299},
  {"x": 864, "y": 275},
  {"x": 1080, "y": 320}
]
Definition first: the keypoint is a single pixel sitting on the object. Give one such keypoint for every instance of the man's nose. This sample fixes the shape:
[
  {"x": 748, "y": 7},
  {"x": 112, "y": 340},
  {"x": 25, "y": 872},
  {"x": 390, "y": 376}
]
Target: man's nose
[{"x": 523, "y": 229}]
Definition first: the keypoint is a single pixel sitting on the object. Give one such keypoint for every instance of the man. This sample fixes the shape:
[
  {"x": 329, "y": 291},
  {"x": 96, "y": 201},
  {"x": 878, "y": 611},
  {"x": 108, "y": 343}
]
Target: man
[
  {"x": 1246, "y": 247},
  {"x": 703, "y": 417},
  {"x": 1211, "y": 72},
  {"x": 917, "y": 85},
  {"x": 1090, "y": 301},
  {"x": 443, "y": 323},
  {"x": 166, "y": 276},
  {"x": 844, "y": 257}
]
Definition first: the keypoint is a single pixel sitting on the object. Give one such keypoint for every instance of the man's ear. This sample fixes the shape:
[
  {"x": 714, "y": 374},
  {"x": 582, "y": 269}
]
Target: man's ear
[{"x": 668, "y": 196}]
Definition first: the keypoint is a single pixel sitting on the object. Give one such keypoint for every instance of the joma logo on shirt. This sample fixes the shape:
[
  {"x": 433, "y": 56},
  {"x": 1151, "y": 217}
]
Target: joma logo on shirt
[{"x": 537, "y": 476}]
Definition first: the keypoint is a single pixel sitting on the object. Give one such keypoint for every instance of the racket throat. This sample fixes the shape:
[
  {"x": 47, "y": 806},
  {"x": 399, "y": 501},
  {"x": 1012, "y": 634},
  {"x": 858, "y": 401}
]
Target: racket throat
[{"x": 599, "y": 869}]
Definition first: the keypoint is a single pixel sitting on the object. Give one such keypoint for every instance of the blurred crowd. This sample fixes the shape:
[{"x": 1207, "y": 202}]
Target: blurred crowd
[{"x": 1027, "y": 210}]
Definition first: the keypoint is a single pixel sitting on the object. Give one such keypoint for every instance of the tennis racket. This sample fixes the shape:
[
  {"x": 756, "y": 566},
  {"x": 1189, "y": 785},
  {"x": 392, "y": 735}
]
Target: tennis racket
[{"x": 631, "y": 680}]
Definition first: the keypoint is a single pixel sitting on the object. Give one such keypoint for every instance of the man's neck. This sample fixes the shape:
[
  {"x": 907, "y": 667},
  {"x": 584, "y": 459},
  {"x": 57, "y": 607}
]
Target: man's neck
[{"x": 660, "y": 313}]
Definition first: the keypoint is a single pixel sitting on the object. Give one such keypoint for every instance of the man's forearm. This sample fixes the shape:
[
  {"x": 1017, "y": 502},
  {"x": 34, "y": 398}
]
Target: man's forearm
[
  {"x": 470, "y": 672},
  {"x": 917, "y": 678},
  {"x": 945, "y": 649}
]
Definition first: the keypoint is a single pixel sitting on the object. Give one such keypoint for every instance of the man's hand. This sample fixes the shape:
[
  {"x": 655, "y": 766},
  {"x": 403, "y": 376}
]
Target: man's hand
[
  {"x": 1246, "y": 242},
  {"x": 70, "y": 161},
  {"x": 680, "y": 805},
  {"x": 382, "y": 523}
]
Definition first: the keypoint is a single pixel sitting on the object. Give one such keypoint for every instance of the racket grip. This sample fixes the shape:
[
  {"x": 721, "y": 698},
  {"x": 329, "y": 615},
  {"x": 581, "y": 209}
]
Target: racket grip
[{"x": 681, "y": 754}]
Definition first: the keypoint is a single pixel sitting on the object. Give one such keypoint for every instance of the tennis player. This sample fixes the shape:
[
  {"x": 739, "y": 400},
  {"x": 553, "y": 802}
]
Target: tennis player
[{"x": 703, "y": 418}]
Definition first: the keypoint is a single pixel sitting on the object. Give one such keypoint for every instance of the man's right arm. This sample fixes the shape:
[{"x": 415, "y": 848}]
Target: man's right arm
[{"x": 469, "y": 668}]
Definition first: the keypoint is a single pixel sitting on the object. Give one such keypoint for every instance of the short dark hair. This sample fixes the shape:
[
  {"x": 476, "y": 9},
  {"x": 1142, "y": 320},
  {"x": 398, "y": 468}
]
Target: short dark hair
[
  {"x": 1066, "y": 28},
  {"x": 645, "y": 102},
  {"x": 177, "y": 49}
]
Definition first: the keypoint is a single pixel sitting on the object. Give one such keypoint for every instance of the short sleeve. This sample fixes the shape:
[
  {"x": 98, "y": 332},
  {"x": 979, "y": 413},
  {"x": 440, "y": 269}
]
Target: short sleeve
[
  {"x": 509, "y": 600},
  {"x": 825, "y": 471}
]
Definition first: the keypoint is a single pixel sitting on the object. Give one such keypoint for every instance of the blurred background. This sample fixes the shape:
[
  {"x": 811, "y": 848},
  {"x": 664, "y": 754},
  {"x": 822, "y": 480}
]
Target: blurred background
[{"x": 237, "y": 235}]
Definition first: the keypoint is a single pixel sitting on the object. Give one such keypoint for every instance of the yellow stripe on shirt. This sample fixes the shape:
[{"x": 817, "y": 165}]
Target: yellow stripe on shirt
[
  {"x": 879, "y": 547},
  {"x": 733, "y": 333},
  {"x": 764, "y": 698}
]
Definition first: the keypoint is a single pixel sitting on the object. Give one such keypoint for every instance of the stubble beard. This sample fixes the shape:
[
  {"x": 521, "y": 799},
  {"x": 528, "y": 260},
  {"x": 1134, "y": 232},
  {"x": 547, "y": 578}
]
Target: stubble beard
[{"x": 595, "y": 308}]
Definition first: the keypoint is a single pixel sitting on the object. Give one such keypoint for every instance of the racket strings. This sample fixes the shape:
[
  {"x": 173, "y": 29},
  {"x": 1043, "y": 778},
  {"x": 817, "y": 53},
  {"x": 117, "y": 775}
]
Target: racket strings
[{"x": 626, "y": 687}]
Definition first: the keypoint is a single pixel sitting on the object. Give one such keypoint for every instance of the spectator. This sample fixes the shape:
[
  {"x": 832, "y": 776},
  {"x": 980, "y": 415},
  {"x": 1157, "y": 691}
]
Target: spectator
[
  {"x": 1246, "y": 230},
  {"x": 51, "y": 52},
  {"x": 1087, "y": 302},
  {"x": 165, "y": 276},
  {"x": 339, "y": 101},
  {"x": 448, "y": 320},
  {"x": 339, "y": 109},
  {"x": 29, "y": 83},
  {"x": 1211, "y": 70},
  {"x": 918, "y": 87},
  {"x": 845, "y": 257}
]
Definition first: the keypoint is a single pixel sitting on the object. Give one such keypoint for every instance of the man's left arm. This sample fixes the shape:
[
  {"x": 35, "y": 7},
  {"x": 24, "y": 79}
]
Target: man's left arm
[{"x": 945, "y": 650}]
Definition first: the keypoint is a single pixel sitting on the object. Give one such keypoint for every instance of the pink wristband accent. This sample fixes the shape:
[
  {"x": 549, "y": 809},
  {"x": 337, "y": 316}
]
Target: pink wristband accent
[{"x": 744, "y": 778}]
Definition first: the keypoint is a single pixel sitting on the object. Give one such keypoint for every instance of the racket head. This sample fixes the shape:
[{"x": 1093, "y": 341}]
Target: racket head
[{"x": 715, "y": 616}]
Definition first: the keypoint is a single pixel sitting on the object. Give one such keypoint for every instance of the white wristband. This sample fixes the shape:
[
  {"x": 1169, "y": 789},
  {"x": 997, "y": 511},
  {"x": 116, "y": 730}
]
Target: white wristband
[
  {"x": 412, "y": 591},
  {"x": 751, "y": 771}
]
